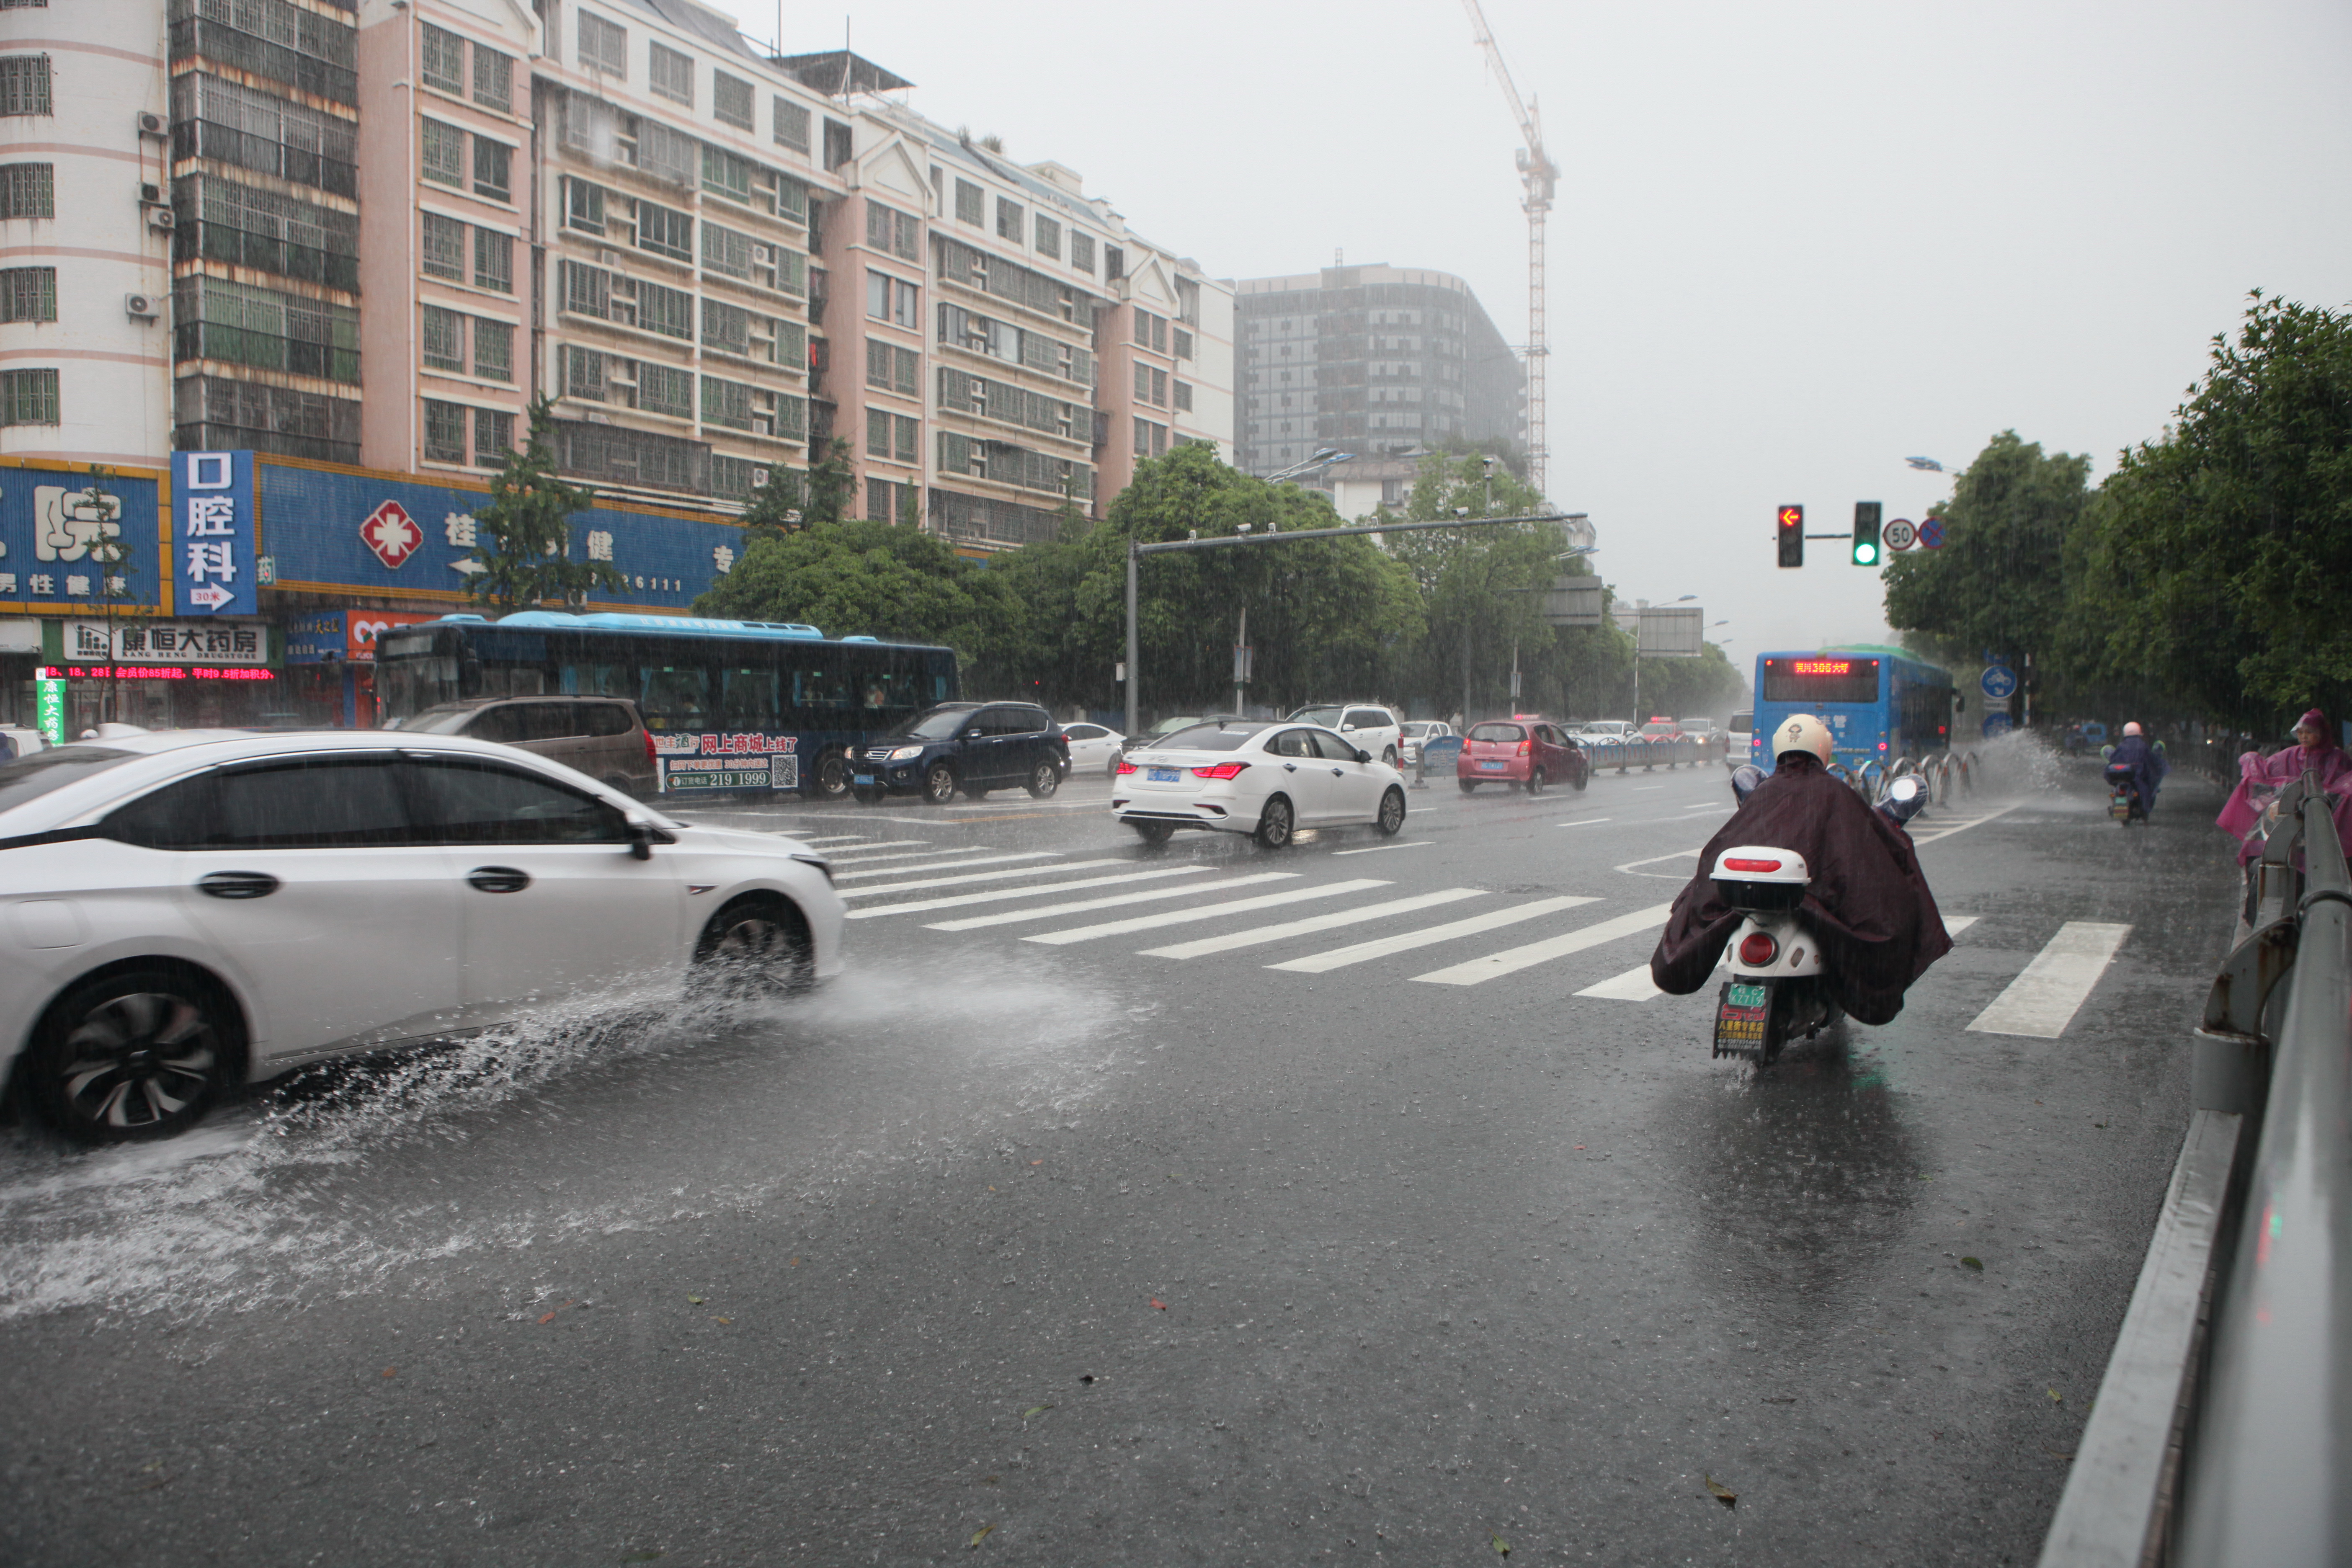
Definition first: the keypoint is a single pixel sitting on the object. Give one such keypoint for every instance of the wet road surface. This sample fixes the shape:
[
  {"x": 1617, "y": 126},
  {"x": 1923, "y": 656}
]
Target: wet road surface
[{"x": 1300, "y": 1233}]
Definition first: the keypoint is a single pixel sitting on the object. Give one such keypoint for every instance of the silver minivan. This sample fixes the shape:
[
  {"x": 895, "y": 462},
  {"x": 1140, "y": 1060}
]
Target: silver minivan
[{"x": 601, "y": 736}]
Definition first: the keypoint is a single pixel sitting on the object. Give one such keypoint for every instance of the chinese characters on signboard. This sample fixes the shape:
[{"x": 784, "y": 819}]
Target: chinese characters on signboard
[
  {"x": 147, "y": 641},
  {"x": 76, "y": 542},
  {"x": 213, "y": 566}
]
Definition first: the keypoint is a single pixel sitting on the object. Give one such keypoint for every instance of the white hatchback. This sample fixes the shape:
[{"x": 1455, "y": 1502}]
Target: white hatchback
[
  {"x": 187, "y": 912},
  {"x": 1246, "y": 776}
]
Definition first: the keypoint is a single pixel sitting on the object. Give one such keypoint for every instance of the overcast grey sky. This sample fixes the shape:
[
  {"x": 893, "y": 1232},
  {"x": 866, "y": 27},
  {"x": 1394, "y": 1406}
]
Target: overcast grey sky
[{"x": 1792, "y": 245}]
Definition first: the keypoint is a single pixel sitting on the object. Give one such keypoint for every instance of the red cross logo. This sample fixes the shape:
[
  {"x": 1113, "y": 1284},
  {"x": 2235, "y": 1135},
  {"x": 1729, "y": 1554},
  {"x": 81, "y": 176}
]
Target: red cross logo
[{"x": 391, "y": 533}]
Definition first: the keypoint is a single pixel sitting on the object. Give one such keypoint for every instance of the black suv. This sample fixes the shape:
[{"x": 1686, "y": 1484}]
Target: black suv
[{"x": 974, "y": 747}]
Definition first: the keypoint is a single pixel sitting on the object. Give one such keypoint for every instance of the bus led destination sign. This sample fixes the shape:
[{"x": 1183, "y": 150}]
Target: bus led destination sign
[
  {"x": 1824, "y": 665},
  {"x": 1820, "y": 681}
]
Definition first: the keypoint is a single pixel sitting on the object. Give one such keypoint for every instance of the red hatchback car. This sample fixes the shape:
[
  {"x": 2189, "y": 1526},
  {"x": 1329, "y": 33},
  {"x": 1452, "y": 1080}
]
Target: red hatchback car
[{"x": 1520, "y": 750}]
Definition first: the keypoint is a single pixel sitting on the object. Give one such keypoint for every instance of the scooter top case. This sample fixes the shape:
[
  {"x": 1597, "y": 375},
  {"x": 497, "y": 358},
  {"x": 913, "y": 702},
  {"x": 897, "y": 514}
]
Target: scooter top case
[{"x": 1770, "y": 954}]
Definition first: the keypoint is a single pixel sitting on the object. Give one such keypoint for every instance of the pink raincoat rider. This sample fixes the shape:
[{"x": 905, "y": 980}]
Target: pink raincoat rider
[{"x": 2262, "y": 777}]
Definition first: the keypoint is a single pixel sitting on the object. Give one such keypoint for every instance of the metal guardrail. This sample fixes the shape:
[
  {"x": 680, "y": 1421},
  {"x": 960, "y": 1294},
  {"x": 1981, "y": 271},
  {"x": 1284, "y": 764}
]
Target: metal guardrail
[{"x": 2222, "y": 1430}]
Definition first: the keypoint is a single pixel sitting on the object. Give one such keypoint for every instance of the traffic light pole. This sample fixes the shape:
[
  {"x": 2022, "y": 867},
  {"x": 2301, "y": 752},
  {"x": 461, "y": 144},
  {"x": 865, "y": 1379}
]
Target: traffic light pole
[{"x": 1136, "y": 550}]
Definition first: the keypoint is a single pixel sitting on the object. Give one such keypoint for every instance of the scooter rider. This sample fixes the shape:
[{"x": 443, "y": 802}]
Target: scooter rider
[
  {"x": 1867, "y": 905},
  {"x": 2133, "y": 764}
]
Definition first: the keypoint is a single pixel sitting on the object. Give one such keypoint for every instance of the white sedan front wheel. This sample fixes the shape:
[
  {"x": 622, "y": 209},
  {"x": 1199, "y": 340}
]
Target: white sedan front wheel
[{"x": 1392, "y": 818}]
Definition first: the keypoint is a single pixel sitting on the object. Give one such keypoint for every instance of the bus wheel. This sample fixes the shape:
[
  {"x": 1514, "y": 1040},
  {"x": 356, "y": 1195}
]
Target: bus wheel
[{"x": 833, "y": 775}]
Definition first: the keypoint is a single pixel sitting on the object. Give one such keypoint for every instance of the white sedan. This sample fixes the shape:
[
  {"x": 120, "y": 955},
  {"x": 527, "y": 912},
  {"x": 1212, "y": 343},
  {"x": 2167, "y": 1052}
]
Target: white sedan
[
  {"x": 1092, "y": 746},
  {"x": 1240, "y": 775},
  {"x": 189, "y": 911}
]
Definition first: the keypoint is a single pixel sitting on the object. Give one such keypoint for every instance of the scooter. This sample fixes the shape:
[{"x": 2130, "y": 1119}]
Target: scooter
[
  {"x": 1777, "y": 991},
  {"x": 2123, "y": 798}
]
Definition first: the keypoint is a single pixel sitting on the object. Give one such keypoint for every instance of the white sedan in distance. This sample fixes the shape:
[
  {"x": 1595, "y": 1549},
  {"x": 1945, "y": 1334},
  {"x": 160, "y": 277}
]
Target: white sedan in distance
[
  {"x": 1092, "y": 746},
  {"x": 1249, "y": 775},
  {"x": 194, "y": 910}
]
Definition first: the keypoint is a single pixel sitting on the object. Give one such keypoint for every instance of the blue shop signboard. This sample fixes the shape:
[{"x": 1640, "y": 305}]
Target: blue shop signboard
[
  {"x": 62, "y": 536},
  {"x": 393, "y": 535},
  {"x": 212, "y": 569}
]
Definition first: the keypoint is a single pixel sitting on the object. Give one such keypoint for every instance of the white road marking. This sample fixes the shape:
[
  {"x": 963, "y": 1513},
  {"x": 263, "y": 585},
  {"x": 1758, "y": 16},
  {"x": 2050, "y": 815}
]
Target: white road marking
[
  {"x": 849, "y": 838},
  {"x": 1962, "y": 827},
  {"x": 1678, "y": 854},
  {"x": 1429, "y": 936},
  {"x": 1586, "y": 822},
  {"x": 1377, "y": 848},
  {"x": 1107, "y": 901},
  {"x": 1210, "y": 911},
  {"x": 950, "y": 865},
  {"x": 1640, "y": 789},
  {"x": 1955, "y": 924},
  {"x": 1634, "y": 986},
  {"x": 976, "y": 877},
  {"x": 1257, "y": 934},
  {"x": 1510, "y": 961},
  {"x": 888, "y": 852},
  {"x": 2041, "y": 1001},
  {"x": 1035, "y": 889}
]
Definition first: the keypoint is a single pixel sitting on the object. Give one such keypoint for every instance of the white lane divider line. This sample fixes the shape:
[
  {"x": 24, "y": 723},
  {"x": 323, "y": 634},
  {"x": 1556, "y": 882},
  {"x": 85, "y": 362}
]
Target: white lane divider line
[
  {"x": 1510, "y": 961},
  {"x": 1259, "y": 935},
  {"x": 890, "y": 852},
  {"x": 1931, "y": 836},
  {"x": 1378, "y": 848},
  {"x": 950, "y": 864},
  {"x": 1667, "y": 876},
  {"x": 1634, "y": 986},
  {"x": 1644, "y": 789},
  {"x": 1585, "y": 822},
  {"x": 853, "y": 838},
  {"x": 2041, "y": 1001},
  {"x": 977, "y": 877},
  {"x": 1107, "y": 901},
  {"x": 1429, "y": 936},
  {"x": 1955, "y": 924},
  {"x": 1035, "y": 890},
  {"x": 1208, "y": 912}
]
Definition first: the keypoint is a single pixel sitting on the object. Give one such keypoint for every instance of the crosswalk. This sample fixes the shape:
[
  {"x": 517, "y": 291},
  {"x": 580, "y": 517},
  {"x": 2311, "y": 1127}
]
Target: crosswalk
[{"x": 1314, "y": 919}]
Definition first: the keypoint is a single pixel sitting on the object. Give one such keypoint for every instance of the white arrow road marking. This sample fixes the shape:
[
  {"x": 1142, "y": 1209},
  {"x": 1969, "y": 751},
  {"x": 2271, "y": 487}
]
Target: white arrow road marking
[
  {"x": 2041, "y": 1001},
  {"x": 1510, "y": 961},
  {"x": 1258, "y": 934},
  {"x": 1211, "y": 911},
  {"x": 1429, "y": 936}
]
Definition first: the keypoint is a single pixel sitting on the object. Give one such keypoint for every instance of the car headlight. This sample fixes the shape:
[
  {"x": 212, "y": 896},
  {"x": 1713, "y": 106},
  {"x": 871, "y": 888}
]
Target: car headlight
[{"x": 906, "y": 754}]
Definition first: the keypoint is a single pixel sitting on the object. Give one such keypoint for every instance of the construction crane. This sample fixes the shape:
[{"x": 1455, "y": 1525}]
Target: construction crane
[{"x": 1539, "y": 177}]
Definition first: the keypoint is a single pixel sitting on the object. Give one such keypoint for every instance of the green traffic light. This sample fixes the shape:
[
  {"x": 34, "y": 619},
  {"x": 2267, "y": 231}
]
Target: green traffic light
[{"x": 1865, "y": 554}]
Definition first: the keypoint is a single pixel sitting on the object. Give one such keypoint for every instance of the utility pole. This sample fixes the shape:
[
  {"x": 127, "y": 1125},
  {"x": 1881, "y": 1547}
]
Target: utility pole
[{"x": 1134, "y": 660}]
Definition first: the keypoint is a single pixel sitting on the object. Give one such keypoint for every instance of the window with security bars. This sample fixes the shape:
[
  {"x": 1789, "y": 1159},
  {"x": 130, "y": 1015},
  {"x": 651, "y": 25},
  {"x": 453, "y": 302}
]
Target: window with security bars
[
  {"x": 493, "y": 169},
  {"x": 881, "y": 501},
  {"x": 584, "y": 374},
  {"x": 1114, "y": 263},
  {"x": 442, "y": 60},
  {"x": 583, "y": 206},
  {"x": 494, "y": 260},
  {"x": 444, "y": 247},
  {"x": 790, "y": 126},
  {"x": 1184, "y": 396},
  {"x": 971, "y": 203},
  {"x": 29, "y": 294},
  {"x": 493, "y": 350},
  {"x": 1082, "y": 252},
  {"x": 839, "y": 145},
  {"x": 445, "y": 154},
  {"x": 734, "y": 255},
  {"x": 442, "y": 333},
  {"x": 731, "y": 405},
  {"x": 28, "y": 398},
  {"x": 445, "y": 432},
  {"x": 727, "y": 328},
  {"x": 493, "y": 436},
  {"x": 1008, "y": 220},
  {"x": 603, "y": 45},
  {"x": 1184, "y": 343},
  {"x": 907, "y": 437},
  {"x": 877, "y": 432},
  {"x": 29, "y": 190},
  {"x": 1049, "y": 237},
  {"x": 665, "y": 232},
  {"x": 670, "y": 73},
  {"x": 892, "y": 368},
  {"x": 732, "y": 100},
  {"x": 25, "y": 90},
  {"x": 664, "y": 389},
  {"x": 493, "y": 89},
  {"x": 725, "y": 174}
]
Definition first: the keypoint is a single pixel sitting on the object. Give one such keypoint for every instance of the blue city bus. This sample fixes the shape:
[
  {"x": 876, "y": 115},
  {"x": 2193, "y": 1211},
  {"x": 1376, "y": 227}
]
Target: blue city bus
[
  {"x": 1880, "y": 705},
  {"x": 730, "y": 704}
]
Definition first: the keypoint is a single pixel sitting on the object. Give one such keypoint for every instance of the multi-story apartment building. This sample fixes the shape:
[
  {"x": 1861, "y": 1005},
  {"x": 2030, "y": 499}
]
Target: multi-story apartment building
[
  {"x": 1379, "y": 360},
  {"x": 264, "y": 194},
  {"x": 85, "y": 235}
]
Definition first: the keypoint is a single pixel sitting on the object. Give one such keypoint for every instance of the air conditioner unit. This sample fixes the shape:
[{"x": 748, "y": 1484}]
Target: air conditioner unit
[
  {"x": 153, "y": 125},
  {"x": 758, "y": 479},
  {"x": 143, "y": 306},
  {"x": 162, "y": 219},
  {"x": 152, "y": 195}
]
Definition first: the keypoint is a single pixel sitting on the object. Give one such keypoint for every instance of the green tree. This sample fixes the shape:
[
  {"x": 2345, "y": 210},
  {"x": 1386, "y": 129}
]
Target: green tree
[
  {"x": 522, "y": 536},
  {"x": 2001, "y": 580},
  {"x": 831, "y": 484},
  {"x": 869, "y": 579},
  {"x": 778, "y": 506},
  {"x": 2218, "y": 564}
]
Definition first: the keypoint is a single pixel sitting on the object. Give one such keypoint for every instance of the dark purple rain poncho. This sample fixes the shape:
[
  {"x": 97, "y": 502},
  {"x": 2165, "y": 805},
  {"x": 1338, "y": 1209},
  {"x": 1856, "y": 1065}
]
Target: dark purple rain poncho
[
  {"x": 2146, "y": 769},
  {"x": 1868, "y": 908}
]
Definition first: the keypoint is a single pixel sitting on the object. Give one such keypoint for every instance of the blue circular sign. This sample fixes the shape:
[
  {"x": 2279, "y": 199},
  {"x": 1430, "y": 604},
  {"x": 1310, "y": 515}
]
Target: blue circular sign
[
  {"x": 1999, "y": 682},
  {"x": 1995, "y": 726},
  {"x": 1931, "y": 533}
]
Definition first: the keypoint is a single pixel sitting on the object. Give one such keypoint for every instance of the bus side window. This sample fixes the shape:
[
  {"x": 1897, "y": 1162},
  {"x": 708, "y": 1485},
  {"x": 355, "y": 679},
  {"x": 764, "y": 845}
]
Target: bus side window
[
  {"x": 748, "y": 700},
  {"x": 675, "y": 697}
]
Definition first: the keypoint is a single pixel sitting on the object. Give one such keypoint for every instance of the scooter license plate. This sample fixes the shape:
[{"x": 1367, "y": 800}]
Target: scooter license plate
[{"x": 1740, "y": 1016}]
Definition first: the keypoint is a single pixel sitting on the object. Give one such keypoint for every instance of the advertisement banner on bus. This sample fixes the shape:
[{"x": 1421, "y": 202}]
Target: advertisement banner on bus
[{"x": 780, "y": 770}]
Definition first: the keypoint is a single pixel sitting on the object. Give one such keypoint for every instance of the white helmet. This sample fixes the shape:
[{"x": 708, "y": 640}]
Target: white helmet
[
  {"x": 2131, "y": 729},
  {"x": 1804, "y": 732}
]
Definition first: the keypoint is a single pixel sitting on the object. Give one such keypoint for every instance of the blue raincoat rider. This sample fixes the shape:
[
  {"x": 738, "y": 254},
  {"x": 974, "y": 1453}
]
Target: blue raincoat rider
[{"x": 2139, "y": 763}]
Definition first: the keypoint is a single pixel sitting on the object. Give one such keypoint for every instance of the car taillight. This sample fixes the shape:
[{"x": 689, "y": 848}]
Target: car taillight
[
  {"x": 1758, "y": 949},
  {"x": 1526, "y": 746},
  {"x": 1752, "y": 865},
  {"x": 1222, "y": 770},
  {"x": 1125, "y": 766},
  {"x": 651, "y": 755}
]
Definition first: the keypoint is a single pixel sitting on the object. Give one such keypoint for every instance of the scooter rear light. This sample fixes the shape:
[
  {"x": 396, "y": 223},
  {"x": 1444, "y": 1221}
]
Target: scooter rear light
[
  {"x": 1752, "y": 865},
  {"x": 1222, "y": 770},
  {"x": 1758, "y": 949}
]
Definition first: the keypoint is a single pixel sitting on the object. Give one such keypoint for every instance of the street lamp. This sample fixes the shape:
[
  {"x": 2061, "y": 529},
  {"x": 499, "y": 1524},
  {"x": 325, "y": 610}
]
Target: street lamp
[{"x": 1323, "y": 459}]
